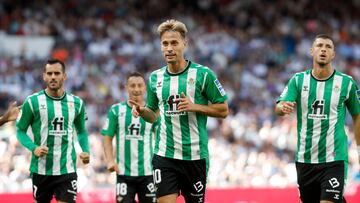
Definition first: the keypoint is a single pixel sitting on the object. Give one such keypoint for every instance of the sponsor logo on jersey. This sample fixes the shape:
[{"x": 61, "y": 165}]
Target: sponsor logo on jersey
[
  {"x": 58, "y": 126},
  {"x": 173, "y": 102},
  {"x": 318, "y": 108},
  {"x": 219, "y": 86},
  {"x": 134, "y": 132}
]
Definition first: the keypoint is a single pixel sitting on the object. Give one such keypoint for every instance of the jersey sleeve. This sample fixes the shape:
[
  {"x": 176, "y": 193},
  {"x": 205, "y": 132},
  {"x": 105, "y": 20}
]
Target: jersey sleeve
[
  {"x": 110, "y": 125},
  {"x": 353, "y": 101},
  {"x": 79, "y": 123},
  {"x": 25, "y": 117},
  {"x": 213, "y": 89},
  {"x": 290, "y": 92},
  {"x": 152, "y": 101}
]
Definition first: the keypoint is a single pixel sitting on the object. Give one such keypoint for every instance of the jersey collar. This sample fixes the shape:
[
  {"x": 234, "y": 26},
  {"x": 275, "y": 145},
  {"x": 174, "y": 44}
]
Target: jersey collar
[
  {"x": 174, "y": 74},
  {"x": 55, "y": 98}
]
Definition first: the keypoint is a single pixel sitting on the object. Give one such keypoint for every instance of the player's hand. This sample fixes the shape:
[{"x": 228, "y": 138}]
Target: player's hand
[
  {"x": 85, "y": 157},
  {"x": 287, "y": 107},
  {"x": 41, "y": 151},
  {"x": 12, "y": 112},
  {"x": 112, "y": 166},
  {"x": 185, "y": 104},
  {"x": 136, "y": 108}
]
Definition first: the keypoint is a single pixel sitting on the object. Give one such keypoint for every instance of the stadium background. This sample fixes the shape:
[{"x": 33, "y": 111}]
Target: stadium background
[{"x": 253, "y": 45}]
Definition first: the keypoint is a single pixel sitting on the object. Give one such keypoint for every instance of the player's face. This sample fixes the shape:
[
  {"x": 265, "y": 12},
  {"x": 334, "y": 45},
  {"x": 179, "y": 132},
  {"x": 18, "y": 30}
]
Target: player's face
[
  {"x": 173, "y": 46},
  {"x": 54, "y": 76},
  {"x": 136, "y": 88},
  {"x": 323, "y": 51}
]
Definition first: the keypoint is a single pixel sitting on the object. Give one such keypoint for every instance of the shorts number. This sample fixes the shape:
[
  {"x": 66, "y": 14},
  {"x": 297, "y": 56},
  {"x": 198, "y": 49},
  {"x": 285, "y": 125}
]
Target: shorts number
[
  {"x": 157, "y": 176},
  {"x": 35, "y": 190},
  {"x": 121, "y": 189}
]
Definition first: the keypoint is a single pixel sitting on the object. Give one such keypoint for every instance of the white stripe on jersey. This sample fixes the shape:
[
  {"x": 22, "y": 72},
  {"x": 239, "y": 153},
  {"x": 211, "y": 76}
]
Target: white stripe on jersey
[
  {"x": 193, "y": 126},
  {"x": 320, "y": 90},
  {"x": 147, "y": 146},
  {"x": 57, "y": 140},
  {"x": 330, "y": 142},
  {"x": 134, "y": 152},
  {"x": 43, "y": 109},
  {"x": 162, "y": 142},
  {"x": 175, "y": 120},
  {"x": 121, "y": 138},
  {"x": 304, "y": 108},
  {"x": 71, "y": 114}
]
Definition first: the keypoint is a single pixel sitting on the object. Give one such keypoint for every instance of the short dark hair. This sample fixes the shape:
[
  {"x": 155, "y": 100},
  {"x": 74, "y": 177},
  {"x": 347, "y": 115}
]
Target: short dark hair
[
  {"x": 134, "y": 74},
  {"x": 324, "y": 36},
  {"x": 54, "y": 61}
]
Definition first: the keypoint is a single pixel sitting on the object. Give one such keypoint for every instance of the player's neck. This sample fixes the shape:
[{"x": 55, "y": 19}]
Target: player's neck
[
  {"x": 55, "y": 93},
  {"x": 322, "y": 72},
  {"x": 178, "y": 66}
]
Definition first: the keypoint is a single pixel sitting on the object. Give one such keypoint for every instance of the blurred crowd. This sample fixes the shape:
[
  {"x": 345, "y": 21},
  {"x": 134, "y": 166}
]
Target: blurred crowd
[{"x": 254, "y": 46}]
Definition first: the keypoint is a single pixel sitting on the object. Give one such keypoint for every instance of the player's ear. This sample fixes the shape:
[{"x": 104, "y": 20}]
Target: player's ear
[
  {"x": 65, "y": 76},
  {"x": 185, "y": 42},
  {"x": 312, "y": 51}
]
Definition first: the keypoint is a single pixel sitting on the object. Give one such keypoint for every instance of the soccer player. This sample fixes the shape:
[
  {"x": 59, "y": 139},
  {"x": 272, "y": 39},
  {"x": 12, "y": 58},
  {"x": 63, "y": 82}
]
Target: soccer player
[
  {"x": 10, "y": 114},
  {"x": 134, "y": 148},
  {"x": 183, "y": 93},
  {"x": 53, "y": 114},
  {"x": 322, "y": 95}
]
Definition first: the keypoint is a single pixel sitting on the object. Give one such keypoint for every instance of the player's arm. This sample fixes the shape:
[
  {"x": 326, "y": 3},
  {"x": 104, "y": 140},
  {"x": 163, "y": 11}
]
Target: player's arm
[
  {"x": 146, "y": 113},
  {"x": 353, "y": 105},
  {"x": 82, "y": 135},
  {"x": 284, "y": 108},
  {"x": 25, "y": 119},
  {"x": 356, "y": 120},
  {"x": 10, "y": 114},
  {"x": 285, "y": 104},
  {"x": 108, "y": 131},
  {"x": 214, "y": 92},
  {"x": 26, "y": 116},
  {"x": 219, "y": 110}
]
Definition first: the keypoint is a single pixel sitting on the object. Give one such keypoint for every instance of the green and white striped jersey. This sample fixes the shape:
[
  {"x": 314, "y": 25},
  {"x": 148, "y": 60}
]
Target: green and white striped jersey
[
  {"x": 134, "y": 136},
  {"x": 183, "y": 135},
  {"x": 52, "y": 122},
  {"x": 321, "y": 111}
]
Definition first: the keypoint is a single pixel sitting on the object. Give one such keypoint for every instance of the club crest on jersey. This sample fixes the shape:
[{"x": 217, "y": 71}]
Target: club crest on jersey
[
  {"x": 219, "y": 87},
  {"x": 336, "y": 88},
  {"x": 191, "y": 82}
]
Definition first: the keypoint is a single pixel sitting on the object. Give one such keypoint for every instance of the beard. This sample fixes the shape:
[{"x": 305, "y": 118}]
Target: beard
[{"x": 54, "y": 86}]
